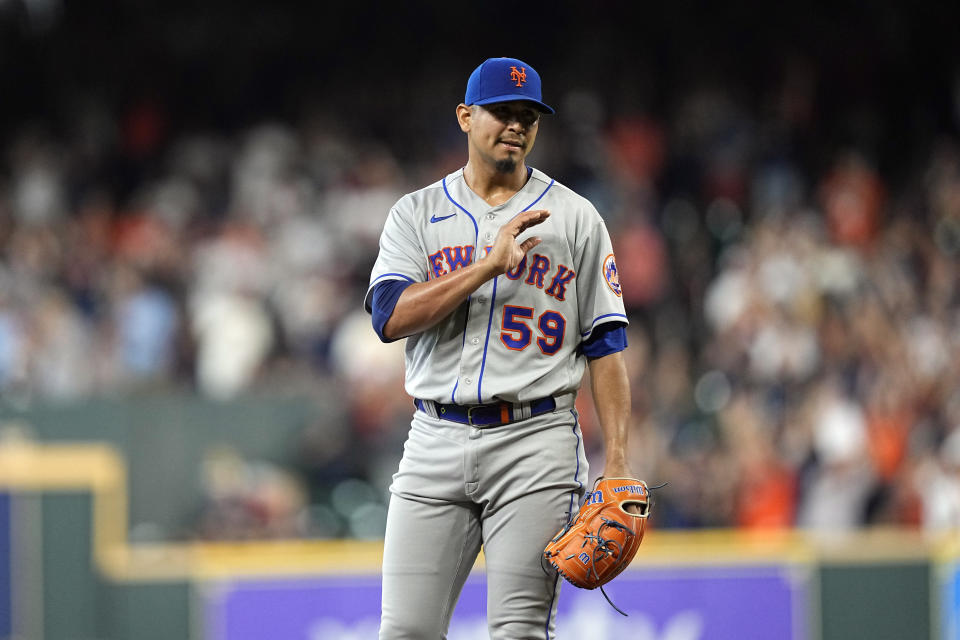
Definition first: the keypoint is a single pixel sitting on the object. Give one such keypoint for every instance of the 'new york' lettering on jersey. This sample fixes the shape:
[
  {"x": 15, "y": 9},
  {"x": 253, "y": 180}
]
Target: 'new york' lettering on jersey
[{"x": 515, "y": 339}]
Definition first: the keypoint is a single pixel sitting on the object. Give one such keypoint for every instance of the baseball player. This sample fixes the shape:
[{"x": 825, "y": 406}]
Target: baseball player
[{"x": 504, "y": 283}]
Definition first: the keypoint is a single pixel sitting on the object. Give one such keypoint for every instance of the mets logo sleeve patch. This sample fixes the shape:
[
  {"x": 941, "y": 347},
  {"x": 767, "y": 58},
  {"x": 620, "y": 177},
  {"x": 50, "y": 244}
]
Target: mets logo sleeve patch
[
  {"x": 611, "y": 276},
  {"x": 600, "y": 292}
]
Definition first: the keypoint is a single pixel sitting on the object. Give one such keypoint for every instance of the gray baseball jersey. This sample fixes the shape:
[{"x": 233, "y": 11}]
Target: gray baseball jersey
[{"x": 515, "y": 339}]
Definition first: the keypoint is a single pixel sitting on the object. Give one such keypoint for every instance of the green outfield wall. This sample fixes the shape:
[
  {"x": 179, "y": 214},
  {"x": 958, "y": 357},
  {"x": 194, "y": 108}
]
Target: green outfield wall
[
  {"x": 876, "y": 600},
  {"x": 164, "y": 439}
]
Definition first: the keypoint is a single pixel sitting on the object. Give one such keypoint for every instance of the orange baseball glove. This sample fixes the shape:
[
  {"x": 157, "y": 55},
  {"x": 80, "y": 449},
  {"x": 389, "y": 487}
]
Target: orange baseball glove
[{"x": 601, "y": 541}]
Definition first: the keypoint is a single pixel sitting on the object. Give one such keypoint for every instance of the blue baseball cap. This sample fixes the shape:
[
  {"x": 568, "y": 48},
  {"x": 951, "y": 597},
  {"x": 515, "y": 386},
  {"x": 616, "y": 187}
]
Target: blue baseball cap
[{"x": 502, "y": 80}]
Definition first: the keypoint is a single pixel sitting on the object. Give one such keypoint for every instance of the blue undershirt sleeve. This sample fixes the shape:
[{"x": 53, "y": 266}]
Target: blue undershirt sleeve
[
  {"x": 608, "y": 338},
  {"x": 385, "y": 296}
]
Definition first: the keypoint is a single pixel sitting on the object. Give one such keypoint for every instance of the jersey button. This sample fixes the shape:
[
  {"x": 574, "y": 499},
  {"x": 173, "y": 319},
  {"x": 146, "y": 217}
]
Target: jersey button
[
  {"x": 475, "y": 341},
  {"x": 467, "y": 380},
  {"x": 491, "y": 216}
]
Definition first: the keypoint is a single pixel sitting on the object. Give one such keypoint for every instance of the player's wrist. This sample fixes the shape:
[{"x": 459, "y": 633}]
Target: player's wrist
[
  {"x": 489, "y": 269},
  {"x": 616, "y": 464}
]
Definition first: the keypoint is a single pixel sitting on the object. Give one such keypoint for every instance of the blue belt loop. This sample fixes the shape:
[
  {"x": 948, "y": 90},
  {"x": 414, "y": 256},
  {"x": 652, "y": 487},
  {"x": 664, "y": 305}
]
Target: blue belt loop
[{"x": 429, "y": 407}]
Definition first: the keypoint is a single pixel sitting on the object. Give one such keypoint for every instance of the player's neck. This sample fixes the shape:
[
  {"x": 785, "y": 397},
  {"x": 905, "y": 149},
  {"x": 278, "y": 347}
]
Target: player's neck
[{"x": 495, "y": 187}]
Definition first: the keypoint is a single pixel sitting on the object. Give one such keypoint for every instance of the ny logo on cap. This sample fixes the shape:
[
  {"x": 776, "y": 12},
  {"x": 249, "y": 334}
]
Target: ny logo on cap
[{"x": 518, "y": 76}]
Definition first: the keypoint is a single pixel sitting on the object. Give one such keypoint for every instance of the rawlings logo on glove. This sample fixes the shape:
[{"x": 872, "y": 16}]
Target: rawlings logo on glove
[{"x": 601, "y": 541}]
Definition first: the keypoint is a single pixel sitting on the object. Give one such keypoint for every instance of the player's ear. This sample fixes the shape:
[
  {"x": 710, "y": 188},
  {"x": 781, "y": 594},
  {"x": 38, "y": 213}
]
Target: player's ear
[{"x": 464, "y": 117}]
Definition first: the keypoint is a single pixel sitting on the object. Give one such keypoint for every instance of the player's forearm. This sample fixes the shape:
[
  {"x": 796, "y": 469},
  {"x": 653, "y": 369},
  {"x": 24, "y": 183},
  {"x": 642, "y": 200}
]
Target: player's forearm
[
  {"x": 424, "y": 304},
  {"x": 611, "y": 395}
]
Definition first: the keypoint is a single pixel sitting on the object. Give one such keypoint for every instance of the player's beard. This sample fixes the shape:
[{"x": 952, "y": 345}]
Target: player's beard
[{"x": 507, "y": 165}]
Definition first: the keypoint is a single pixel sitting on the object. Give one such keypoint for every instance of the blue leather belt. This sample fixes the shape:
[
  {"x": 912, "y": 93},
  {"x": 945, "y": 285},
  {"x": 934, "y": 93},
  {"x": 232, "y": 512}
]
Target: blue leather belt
[{"x": 486, "y": 415}]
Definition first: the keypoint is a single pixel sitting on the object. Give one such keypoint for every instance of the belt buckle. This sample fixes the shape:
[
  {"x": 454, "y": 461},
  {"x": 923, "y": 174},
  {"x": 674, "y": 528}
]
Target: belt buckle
[
  {"x": 470, "y": 414},
  {"x": 494, "y": 422}
]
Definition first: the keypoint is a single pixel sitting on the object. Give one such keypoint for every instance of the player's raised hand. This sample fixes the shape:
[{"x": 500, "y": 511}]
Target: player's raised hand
[{"x": 507, "y": 253}]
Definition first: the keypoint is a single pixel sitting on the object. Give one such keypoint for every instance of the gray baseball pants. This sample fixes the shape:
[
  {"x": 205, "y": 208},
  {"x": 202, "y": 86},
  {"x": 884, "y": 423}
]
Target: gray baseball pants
[{"x": 508, "y": 489}]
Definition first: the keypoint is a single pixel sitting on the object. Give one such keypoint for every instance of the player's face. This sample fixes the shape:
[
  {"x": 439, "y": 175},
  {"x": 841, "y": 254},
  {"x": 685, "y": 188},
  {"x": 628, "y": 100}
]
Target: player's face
[{"x": 503, "y": 133}]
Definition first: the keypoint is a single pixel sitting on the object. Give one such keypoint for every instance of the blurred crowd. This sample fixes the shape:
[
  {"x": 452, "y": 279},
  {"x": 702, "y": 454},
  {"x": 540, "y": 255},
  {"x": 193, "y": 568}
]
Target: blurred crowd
[{"x": 794, "y": 337}]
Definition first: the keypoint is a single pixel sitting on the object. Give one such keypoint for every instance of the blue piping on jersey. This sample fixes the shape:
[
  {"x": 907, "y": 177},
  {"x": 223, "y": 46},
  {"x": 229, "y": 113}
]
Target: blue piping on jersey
[
  {"x": 486, "y": 341},
  {"x": 576, "y": 477},
  {"x": 546, "y": 628},
  {"x": 538, "y": 197},
  {"x": 395, "y": 275},
  {"x": 576, "y": 474},
  {"x": 493, "y": 296},
  {"x": 466, "y": 318},
  {"x": 476, "y": 229},
  {"x": 599, "y": 318}
]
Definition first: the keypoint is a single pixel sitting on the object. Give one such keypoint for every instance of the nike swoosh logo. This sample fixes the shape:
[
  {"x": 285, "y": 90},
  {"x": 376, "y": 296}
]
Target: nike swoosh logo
[{"x": 434, "y": 218}]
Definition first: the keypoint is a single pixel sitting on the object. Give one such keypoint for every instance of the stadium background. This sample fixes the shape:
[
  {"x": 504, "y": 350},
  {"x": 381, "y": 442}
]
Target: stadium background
[{"x": 195, "y": 415}]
